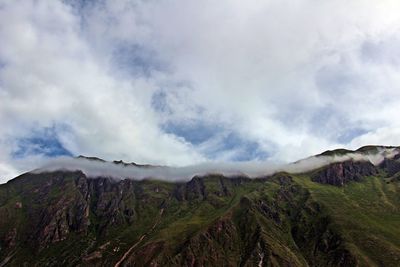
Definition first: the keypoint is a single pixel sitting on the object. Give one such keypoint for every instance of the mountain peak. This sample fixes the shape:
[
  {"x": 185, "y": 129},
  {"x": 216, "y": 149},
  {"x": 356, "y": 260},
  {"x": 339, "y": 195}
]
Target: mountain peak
[{"x": 369, "y": 149}]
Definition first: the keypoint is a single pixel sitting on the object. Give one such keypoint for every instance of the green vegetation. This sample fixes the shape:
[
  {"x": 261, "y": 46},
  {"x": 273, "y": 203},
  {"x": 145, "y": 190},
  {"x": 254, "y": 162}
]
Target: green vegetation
[{"x": 65, "y": 219}]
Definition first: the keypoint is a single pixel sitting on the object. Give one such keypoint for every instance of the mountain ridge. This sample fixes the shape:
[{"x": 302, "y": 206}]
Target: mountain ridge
[
  {"x": 96, "y": 167},
  {"x": 342, "y": 214}
]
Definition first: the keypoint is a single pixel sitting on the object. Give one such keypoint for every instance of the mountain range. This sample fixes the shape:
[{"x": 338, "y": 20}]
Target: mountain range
[{"x": 342, "y": 213}]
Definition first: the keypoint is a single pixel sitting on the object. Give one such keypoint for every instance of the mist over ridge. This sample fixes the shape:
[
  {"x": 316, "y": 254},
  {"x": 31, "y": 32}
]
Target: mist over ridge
[{"x": 94, "y": 167}]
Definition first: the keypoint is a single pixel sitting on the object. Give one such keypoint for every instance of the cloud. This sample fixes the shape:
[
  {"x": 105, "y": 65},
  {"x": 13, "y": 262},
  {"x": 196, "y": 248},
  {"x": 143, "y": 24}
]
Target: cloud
[
  {"x": 50, "y": 77},
  {"x": 140, "y": 81},
  {"x": 98, "y": 168}
]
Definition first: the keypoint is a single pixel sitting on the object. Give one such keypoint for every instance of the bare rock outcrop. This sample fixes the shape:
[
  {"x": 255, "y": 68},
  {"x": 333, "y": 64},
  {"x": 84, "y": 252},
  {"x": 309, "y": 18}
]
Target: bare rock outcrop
[{"x": 341, "y": 173}]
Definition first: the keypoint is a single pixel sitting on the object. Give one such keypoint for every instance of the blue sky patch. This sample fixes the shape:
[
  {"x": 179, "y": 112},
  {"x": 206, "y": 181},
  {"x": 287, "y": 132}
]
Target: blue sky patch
[{"x": 41, "y": 142}]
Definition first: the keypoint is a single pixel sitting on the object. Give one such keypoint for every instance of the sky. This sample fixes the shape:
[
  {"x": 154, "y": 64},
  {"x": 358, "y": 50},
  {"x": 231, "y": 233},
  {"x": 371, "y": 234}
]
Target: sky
[{"x": 181, "y": 82}]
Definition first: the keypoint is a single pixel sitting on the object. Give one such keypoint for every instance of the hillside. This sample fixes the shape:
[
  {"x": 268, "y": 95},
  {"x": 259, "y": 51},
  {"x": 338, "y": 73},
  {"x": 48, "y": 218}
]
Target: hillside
[{"x": 346, "y": 213}]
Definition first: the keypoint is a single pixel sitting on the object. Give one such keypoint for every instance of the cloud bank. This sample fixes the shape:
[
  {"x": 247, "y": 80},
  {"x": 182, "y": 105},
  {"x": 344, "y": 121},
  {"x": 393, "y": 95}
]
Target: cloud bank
[
  {"x": 177, "y": 82},
  {"x": 96, "y": 168}
]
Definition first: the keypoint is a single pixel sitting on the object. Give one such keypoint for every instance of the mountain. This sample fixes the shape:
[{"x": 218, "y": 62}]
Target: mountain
[{"x": 345, "y": 213}]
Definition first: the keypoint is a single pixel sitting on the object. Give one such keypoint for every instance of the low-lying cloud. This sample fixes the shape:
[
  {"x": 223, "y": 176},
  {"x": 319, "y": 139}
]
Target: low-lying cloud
[{"x": 97, "y": 168}]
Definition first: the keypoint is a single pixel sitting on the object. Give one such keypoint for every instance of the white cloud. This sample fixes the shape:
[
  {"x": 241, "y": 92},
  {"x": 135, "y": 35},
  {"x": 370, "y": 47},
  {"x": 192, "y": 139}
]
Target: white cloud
[
  {"x": 253, "y": 169},
  {"x": 292, "y": 76},
  {"x": 50, "y": 76}
]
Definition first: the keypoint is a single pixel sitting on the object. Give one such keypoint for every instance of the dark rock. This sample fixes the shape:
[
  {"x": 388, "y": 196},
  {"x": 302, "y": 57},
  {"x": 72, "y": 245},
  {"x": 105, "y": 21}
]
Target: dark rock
[
  {"x": 194, "y": 189},
  {"x": 391, "y": 166},
  {"x": 340, "y": 173}
]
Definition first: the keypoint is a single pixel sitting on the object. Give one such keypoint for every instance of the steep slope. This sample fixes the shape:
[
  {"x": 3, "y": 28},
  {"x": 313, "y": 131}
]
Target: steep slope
[{"x": 343, "y": 214}]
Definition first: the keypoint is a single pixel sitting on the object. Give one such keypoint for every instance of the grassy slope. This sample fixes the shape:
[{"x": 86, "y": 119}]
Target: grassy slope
[{"x": 366, "y": 215}]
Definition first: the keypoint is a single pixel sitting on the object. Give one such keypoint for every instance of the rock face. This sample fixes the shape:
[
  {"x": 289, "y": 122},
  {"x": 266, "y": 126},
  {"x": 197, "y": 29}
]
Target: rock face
[
  {"x": 340, "y": 173},
  {"x": 391, "y": 166}
]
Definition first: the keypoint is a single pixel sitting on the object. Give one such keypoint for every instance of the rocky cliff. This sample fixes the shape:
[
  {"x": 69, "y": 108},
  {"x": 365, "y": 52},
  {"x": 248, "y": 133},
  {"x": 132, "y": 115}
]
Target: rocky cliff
[{"x": 340, "y": 173}]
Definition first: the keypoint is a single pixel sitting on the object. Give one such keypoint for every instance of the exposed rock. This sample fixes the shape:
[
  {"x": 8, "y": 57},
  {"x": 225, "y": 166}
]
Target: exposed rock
[
  {"x": 194, "y": 189},
  {"x": 340, "y": 173},
  {"x": 111, "y": 202},
  {"x": 391, "y": 166},
  {"x": 271, "y": 211}
]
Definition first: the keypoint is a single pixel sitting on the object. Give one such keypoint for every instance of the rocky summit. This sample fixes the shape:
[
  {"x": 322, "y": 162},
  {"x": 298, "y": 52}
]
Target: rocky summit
[{"x": 345, "y": 213}]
